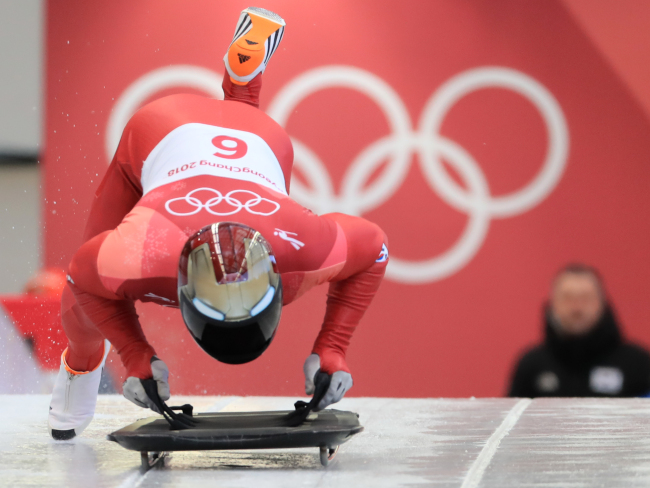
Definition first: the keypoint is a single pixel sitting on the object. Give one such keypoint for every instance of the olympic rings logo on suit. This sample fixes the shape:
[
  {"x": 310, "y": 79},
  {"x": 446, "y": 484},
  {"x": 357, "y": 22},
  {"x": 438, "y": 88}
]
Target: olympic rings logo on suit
[
  {"x": 356, "y": 196},
  {"x": 217, "y": 200}
]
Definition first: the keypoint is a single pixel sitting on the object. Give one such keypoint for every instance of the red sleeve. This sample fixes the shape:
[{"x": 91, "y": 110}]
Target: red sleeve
[
  {"x": 352, "y": 291},
  {"x": 117, "y": 194}
]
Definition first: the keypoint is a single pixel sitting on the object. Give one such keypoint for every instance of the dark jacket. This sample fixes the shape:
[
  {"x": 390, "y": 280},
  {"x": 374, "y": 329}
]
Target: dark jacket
[{"x": 598, "y": 364}]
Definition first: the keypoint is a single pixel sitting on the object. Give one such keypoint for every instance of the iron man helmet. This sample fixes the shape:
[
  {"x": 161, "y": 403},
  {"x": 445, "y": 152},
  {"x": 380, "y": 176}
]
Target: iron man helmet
[{"x": 229, "y": 291}]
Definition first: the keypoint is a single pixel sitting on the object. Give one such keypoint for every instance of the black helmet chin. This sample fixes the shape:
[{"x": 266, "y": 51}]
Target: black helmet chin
[
  {"x": 233, "y": 342},
  {"x": 230, "y": 291}
]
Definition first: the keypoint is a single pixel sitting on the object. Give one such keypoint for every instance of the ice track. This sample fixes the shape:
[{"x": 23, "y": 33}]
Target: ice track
[{"x": 407, "y": 442}]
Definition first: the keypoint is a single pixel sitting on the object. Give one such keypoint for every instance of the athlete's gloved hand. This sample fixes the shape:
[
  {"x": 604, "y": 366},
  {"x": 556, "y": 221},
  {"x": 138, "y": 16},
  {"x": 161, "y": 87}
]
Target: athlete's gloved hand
[
  {"x": 133, "y": 390},
  {"x": 340, "y": 384}
]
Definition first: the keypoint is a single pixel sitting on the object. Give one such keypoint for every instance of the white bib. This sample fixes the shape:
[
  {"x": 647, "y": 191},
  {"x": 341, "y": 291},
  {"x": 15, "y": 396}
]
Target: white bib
[{"x": 200, "y": 149}]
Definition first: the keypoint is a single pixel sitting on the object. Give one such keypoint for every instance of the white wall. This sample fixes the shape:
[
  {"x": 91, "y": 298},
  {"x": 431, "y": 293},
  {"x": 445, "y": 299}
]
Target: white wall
[
  {"x": 21, "y": 75},
  {"x": 21, "y": 79}
]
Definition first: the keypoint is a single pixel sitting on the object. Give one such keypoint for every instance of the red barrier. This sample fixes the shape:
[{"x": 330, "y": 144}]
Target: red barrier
[
  {"x": 39, "y": 320},
  {"x": 490, "y": 140}
]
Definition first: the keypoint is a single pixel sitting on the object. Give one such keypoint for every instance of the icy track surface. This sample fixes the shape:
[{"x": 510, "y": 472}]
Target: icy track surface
[{"x": 407, "y": 442}]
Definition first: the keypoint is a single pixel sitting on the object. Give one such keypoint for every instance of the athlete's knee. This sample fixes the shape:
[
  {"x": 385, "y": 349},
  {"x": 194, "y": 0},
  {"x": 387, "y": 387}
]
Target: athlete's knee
[
  {"x": 359, "y": 228},
  {"x": 382, "y": 259},
  {"x": 80, "y": 268},
  {"x": 367, "y": 242},
  {"x": 82, "y": 271}
]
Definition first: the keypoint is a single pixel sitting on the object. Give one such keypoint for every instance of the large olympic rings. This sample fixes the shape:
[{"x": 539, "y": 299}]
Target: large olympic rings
[
  {"x": 476, "y": 201},
  {"x": 218, "y": 199},
  {"x": 357, "y": 197}
]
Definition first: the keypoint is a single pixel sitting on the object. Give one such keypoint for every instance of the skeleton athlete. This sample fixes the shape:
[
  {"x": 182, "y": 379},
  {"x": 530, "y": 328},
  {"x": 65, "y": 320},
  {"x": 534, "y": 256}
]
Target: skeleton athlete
[{"x": 194, "y": 213}]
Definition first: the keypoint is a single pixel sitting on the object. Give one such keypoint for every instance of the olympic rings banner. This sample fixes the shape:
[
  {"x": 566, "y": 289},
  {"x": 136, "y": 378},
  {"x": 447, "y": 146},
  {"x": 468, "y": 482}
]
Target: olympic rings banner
[{"x": 490, "y": 140}]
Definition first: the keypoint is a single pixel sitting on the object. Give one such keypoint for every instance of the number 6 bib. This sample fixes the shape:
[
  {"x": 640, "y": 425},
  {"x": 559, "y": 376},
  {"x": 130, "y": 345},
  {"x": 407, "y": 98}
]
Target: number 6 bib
[{"x": 199, "y": 149}]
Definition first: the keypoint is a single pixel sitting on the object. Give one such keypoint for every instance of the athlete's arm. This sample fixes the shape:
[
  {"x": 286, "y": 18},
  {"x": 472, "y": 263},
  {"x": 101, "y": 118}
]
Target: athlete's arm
[
  {"x": 351, "y": 291},
  {"x": 117, "y": 194},
  {"x": 349, "y": 296}
]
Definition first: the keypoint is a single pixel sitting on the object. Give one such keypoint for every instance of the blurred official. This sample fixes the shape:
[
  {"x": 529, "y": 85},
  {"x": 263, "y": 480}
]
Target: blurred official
[{"x": 584, "y": 353}]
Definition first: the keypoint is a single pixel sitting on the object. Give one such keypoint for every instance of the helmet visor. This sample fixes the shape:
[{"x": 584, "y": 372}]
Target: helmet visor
[{"x": 228, "y": 280}]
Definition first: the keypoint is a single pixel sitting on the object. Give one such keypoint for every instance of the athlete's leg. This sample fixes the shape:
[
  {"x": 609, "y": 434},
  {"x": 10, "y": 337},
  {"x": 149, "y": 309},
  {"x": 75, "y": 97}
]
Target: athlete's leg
[
  {"x": 249, "y": 93},
  {"x": 257, "y": 36},
  {"x": 85, "y": 342},
  {"x": 74, "y": 395},
  {"x": 114, "y": 198},
  {"x": 110, "y": 310},
  {"x": 136, "y": 261}
]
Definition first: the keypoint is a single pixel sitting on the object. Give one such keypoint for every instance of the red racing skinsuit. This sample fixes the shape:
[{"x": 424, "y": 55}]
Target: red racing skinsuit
[{"x": 185, "y": 162}]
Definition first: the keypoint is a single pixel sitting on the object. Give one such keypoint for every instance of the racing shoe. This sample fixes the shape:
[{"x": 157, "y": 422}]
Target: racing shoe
[
  {"x": 257, "y": 36},
  {"x": 74, "y": 398}
]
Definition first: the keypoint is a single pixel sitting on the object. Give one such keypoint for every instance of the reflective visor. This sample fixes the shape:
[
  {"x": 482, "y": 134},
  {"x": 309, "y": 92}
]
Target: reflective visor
[{"x": 230, "y": 291}]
